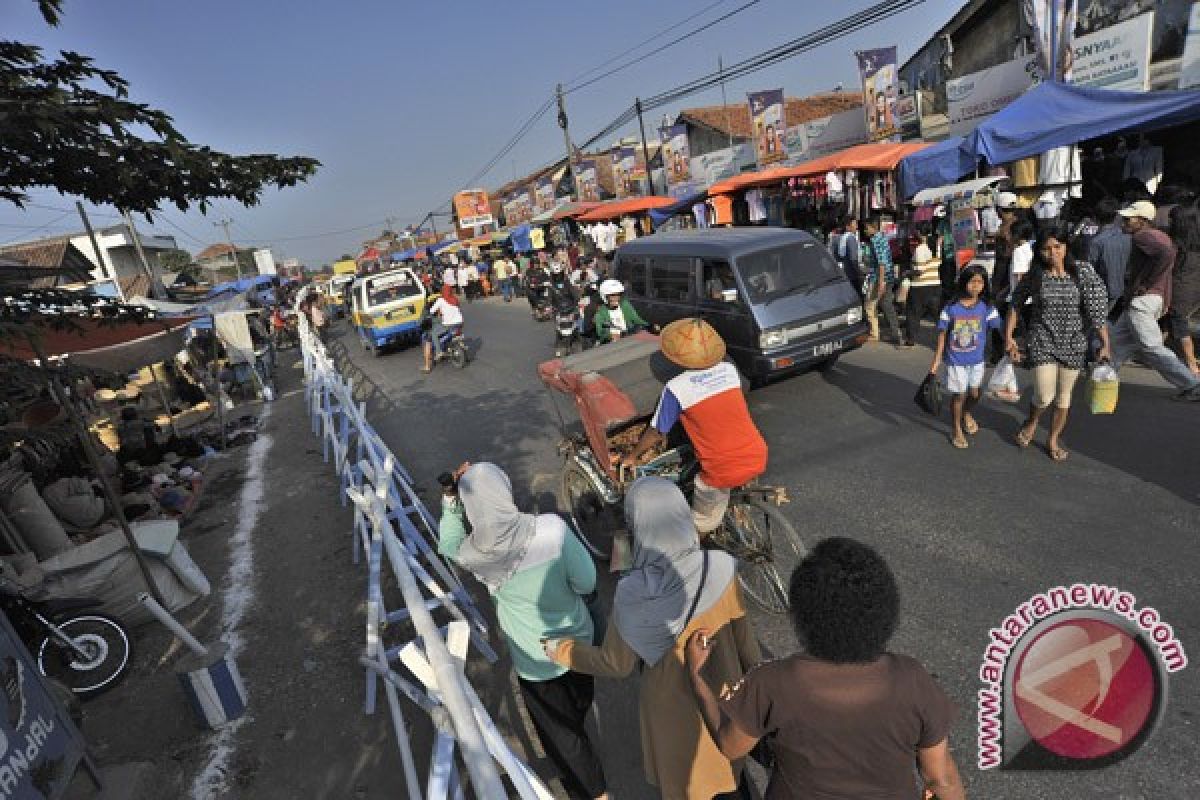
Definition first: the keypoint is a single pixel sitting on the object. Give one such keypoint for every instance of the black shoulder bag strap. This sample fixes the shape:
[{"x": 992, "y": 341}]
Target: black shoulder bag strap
[{"x": 696, "y": 600}]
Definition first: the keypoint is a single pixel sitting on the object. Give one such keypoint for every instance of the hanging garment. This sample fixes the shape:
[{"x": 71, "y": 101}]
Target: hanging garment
[
  {"x": 1059, "y": 167},
  {"x": 1025, "y": 172},
  {"x": 700, "y": 212}
]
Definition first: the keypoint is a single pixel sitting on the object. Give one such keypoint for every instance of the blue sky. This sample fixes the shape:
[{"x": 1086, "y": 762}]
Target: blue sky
[{"x": 404, "y": 101}]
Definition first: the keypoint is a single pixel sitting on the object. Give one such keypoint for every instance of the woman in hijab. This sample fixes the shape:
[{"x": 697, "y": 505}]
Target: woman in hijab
[
  {"x": 537, "y": 573},
  {"x": 674, "y": 588}
]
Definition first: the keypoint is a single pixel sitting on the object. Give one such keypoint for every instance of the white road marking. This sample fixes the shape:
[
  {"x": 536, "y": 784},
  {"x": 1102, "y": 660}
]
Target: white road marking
[{"x": 237, "y": 596}]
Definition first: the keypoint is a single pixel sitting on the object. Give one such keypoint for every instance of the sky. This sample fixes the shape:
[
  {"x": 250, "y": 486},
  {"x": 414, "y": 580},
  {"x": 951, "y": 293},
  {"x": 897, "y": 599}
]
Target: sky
[{"x": 405, "y": 101}]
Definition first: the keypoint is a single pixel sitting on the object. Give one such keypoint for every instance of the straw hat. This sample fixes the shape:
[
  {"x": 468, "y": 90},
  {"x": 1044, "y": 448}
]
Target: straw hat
[{"x": 692, "y": 343}]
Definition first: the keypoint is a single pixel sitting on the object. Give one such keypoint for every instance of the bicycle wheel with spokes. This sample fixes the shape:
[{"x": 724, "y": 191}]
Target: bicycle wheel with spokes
[
  {"x": 767, "y": 547},
  {"x": 594, "y": 519}
]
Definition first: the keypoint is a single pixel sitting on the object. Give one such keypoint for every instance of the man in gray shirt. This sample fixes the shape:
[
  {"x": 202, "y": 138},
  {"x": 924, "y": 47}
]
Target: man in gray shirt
[{"x": 1109, "y": 250}]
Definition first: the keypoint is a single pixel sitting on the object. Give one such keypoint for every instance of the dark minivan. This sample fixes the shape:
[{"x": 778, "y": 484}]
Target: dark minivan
[{"x": 775, "y": 294}]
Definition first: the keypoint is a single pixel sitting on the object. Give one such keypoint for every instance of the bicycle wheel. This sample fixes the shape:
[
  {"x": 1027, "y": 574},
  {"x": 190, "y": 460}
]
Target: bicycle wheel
[
  {"x": 594, "y": 519},
  {"x": 108, "y": 654},
  {"x": 760, "y": 536}
]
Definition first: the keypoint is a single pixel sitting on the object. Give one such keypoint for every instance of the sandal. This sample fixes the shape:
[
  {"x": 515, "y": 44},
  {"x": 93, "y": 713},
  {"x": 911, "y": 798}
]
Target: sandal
[
  {"x": 1024, "y": 438},
  {"x": 960, "y": 443},
  {"x": 1057, "y": 454},
  {"x": 970, "y": 426},
  {"x": 426, "y": 369}
]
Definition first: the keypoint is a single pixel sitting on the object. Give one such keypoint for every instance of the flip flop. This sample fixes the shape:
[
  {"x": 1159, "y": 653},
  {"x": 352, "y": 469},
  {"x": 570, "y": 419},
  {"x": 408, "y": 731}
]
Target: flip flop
[
  {"x": 1057, "y": 454},
  {"x": 1024, "y": 439},
  {"x": 970, "y": 426},
  {"x": 961, "y": 444}
]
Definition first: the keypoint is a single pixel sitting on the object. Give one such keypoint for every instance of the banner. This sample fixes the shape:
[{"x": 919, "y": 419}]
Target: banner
[
  {"x": 676, "y": 156},
  {"x": 545, "y": 194},
  {"x": 766, "y": 122},
  {"x": 624, "y": 161},
  {"x": 585, "y": 181},
  {"x": 1052, "y": 25},
  {"x": 795, "y": 144},
  {"x": 973, "y": 98},
  {"x": 878, "y": 70},
  {"x": 721, "y": 164},
  {"x": 472, "y": 208},
  {"x": 907, "y": 113},
  {"x": 1189, "y": 70},
  {"x": 1116, "y": 57},
  {"x": 518, "y": 207},
  {"x": 833, "y": 133}
]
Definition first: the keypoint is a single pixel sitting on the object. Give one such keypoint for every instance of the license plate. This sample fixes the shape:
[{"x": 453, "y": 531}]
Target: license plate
[{"x": 827, "y": 349}]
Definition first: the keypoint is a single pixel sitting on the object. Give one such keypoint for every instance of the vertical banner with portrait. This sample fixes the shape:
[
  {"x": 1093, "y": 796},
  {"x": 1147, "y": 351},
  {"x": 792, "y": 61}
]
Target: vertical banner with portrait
[
  {"x": 585, "y": 180},
  {"x": 625, "y": 172},
  {"x": 878, "y": 70},
  {"x": 677, "y": 156},
  {"x": 767, "y": 126},
  {"x": 545, "y": 194}
]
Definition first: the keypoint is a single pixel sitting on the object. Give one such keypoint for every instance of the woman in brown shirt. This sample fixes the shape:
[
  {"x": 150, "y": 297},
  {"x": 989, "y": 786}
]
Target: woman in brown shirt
[{"x": 675, "y": 587}]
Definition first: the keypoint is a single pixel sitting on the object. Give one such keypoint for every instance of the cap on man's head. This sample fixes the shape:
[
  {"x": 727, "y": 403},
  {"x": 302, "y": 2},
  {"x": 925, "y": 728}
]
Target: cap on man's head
[
  {"x": 1006, "y": 200},
  {"x": 1142, "y": 208}
]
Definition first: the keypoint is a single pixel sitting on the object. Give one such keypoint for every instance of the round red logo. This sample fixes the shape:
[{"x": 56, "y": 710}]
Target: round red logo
[{"x": 1085, "y": 688}]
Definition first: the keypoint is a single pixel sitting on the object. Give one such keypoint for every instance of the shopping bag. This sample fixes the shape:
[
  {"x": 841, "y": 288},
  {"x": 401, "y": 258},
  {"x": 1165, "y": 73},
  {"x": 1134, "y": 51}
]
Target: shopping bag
[
  {"x": 929, "y": 395},
  {"x": 1103, "y": 388}
]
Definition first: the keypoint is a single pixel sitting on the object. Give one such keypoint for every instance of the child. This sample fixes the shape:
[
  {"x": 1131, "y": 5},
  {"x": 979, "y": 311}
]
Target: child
[{"x": 962, "y": 339}]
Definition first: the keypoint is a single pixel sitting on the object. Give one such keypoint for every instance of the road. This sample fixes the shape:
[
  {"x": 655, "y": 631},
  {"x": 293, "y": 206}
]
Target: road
[{"x": 970, "y": 534}]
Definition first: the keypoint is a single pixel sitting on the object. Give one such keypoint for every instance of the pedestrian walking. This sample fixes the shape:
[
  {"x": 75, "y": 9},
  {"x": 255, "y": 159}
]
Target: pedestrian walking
[
  {"x": 1146, "y": 300},
  {"x": 674, "y": 587},
  {"x": 924, "y": 290},
  {"x": 881, "y": 277},
  {"x": 503, "y": 270},
  {"x": 1185, "y": 289},
  {"x": 1003, "y": 384},
  {"x": 849, "y": 250},
  {"x": 963, "y": 328},
  {"x": 846, "y": 718},
  {"x": 1069, "y": 301},
  {"x": 537, "y": 573},
  {"x": 1108, "y": 251}
]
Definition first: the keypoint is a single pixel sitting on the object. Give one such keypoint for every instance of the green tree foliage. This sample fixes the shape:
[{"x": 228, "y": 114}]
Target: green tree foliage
[
  {"x": 70, "y": 125},
  {"x": 175, "y": 260}
]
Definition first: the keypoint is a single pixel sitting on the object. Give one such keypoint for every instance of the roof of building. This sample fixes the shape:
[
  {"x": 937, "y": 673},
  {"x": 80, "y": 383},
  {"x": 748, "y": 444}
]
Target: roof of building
[
  {"x": 734, "y": 118},
  {"x": 47, "y": 261},
  {"x": 216, "y": 250}
]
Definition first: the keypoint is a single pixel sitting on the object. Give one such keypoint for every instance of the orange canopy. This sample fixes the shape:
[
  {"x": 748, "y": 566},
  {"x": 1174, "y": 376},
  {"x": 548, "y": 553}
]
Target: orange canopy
[
  {"x": 878, "y": 156},
  {"x": 630, "y": 205}
]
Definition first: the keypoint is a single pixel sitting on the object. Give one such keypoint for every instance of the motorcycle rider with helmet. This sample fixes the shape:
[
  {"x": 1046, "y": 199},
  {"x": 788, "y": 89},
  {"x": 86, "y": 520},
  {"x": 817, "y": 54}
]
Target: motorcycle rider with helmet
[{"x": 617, "y": 316}]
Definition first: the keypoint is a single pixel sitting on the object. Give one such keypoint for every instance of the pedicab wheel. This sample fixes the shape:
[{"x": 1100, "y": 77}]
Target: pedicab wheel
[
  {"x": 767, "y": 548},
  {"x": 593, "y": 519}
]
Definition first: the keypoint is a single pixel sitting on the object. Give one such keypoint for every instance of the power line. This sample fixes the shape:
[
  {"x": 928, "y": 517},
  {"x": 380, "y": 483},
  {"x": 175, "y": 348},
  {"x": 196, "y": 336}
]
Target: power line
[
  {"x": 666, "y": 46},
  {"x": 49, "y": 224},
  {"x": 623, "y": 53},
  {"x": 162, "y": 217}
]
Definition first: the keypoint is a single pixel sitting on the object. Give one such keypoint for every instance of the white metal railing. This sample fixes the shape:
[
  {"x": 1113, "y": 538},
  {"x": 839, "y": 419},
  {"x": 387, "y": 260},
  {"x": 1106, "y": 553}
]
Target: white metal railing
[{"x": 390, "y": 521}]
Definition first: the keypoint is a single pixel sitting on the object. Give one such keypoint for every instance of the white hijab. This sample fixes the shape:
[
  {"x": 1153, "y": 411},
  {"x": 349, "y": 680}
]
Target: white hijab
[
  {"x": 652, "y": 601},
  {"x": 500, "y": 533}
]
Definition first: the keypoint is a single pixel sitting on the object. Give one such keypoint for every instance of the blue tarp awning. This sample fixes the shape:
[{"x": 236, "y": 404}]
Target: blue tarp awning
[
  {"x": 243, "y": 285},
  {"x": 405, "y": 255},
  {"x": 660, "y": 215},
  {"x": 521, "y": 243},
  {"x": 442, "y": 245},
  {"x": 1049, "y": 115},
  {"x": 942, "y": 164}
]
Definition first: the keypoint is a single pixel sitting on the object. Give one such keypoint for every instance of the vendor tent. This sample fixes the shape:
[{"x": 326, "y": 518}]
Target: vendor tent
[
  {"x": 574, "y": 208},
  {"x": 1050, "y": 115},
  {"x": 682, "y": 206},
  {"x": 880, "y": 156},
  {"x": 115, "y": 346},
  {"x": 939, "y": 165},
  {"x": 630, "y": 205},
  {"x": 520, "y": 239}
]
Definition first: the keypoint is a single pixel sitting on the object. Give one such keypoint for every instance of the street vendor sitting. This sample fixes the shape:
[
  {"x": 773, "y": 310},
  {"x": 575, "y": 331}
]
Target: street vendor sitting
[
  {"x": 707, "y": 397},
  {"x": 617, "y": 317},
  {"x": 137, "y": 438}
]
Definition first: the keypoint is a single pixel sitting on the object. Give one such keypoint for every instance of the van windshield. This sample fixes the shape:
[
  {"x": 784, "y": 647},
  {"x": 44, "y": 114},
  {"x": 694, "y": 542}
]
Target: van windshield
[
  {"x": 785, "y": 270},
  {"x": 389, "y": 288}
]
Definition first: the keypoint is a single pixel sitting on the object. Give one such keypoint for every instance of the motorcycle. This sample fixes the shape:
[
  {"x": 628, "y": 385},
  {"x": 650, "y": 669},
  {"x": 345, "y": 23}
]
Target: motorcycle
[
  {"x": 454, "y": 347},
  {"x": 566, "y": 328},
  {"x": 539, "y": 303},
  {"x": 87, "y": 651}
]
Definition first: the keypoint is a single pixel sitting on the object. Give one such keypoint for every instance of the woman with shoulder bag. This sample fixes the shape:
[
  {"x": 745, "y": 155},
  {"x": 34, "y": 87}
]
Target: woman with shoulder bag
[{"x": 674, "y": 588}]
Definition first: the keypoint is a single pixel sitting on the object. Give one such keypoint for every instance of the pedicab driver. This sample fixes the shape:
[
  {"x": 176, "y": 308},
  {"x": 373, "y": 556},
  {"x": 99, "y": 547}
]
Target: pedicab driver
[{"x": 707, "y": 397}]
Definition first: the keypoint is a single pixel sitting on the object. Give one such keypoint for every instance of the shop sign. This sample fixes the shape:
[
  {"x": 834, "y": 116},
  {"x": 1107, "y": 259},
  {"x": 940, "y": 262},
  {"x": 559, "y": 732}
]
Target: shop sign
[
  {"x": 1116, "y": 57},
  {"x": 766, "y": 119},
  {"x": 973, "y": 98},
  {"x": 878, "y": 70},
  {"x": 472, "y": 208},
  {"x": 1189, "y": 71},
  {"x": 833, "y": 133}
]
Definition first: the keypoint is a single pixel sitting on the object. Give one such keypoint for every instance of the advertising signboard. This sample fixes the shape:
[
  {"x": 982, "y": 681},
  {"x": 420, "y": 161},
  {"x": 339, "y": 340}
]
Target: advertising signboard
[
  {"x": 908, "y": 116},
  {"x": 833, "y": 133},
  {"x": 766, "y": 120},
  {"x": 545, "y": 194},
  {"x": 878, "y": 70},
  {"x": 585, "y": 180},
  {"x": 472, "y": 208},
  {"x": 624, "y": 166},
  {"x": 1116, "y": 57},
  {"x": 676, "y": 156},
  {"x": 721, "y": 164},
  {"x": 973, "y": 98}
]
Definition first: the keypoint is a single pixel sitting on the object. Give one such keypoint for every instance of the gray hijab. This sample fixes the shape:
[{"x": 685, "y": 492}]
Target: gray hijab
[
  {"x": 652, "y": 601},
  {"x": 500, "y": 533}
]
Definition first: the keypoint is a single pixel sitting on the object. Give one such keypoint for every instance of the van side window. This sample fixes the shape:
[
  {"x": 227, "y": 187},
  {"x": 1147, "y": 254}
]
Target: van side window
[
  {"x": 716, "y": 276},
  {"x": 670, "y": 278},
  {"x": 631, "y": 271}
]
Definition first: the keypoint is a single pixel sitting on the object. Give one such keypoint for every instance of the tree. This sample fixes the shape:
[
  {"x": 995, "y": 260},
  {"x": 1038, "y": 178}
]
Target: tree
[
  {"x": 70, "y": 125},
  {"x": 175, "y": 260}
]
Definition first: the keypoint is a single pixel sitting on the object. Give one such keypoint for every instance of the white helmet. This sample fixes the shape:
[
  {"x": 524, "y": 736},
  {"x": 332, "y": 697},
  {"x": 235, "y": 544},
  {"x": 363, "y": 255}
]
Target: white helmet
[
  {"x": 556, "y": 267},
  {"x": 611, "y": 287}
]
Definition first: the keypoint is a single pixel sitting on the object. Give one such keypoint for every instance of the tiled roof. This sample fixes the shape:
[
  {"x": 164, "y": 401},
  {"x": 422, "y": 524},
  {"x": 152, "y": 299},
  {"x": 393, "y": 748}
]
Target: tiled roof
[
  {"x": 42, "y": 253},
  {"x": 214, "y": 251},
  {"x": 56, "y": 257},
  {"x": 735, "y": 118}
]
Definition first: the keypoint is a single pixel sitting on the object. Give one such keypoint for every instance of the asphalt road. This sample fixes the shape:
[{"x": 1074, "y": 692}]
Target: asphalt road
[{"x": 970, "y": 534}]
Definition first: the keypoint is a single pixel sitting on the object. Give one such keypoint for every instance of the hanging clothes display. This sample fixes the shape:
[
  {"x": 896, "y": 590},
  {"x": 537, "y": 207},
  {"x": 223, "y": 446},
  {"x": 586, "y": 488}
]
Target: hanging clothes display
[
  {"x": 756, "y": 208},
  {"x": 1059, "y": 167},
  {"x": 700, "y": 212},
  {"x": 1025, "y": 173}
]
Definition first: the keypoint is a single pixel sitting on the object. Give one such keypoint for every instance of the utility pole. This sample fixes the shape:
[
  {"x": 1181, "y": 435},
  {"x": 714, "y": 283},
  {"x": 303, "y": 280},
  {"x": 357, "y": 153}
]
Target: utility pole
[
  {"x": 562, "y": 123},
  {"x": 104, "y": 270},
  {"x": 156, "y": 287},
  {"x": 225, "y": 223},
  {"x": 728, "y": 119},
  {"x": 637, "y": 103}
]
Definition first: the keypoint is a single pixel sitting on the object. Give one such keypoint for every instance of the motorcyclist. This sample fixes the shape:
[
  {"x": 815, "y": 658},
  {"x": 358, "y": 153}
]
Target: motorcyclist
[
  {"x": 537, "y": 279},
  {"x": 590, "y": 303},
  {"x": 559, "y": 286},
  {"x": 617, "y": 317}
]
